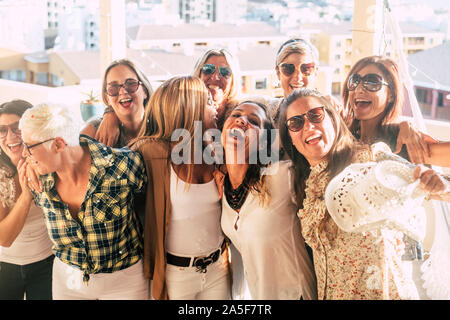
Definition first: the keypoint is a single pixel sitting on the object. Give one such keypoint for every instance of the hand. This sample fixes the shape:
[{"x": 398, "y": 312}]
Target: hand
[
  {"x": 23, "y": 180},
  {"x": 431, "y": 181},
  {"x": 108, "y": 132},
  {"x": 32, "y": 176},
  {"x": 416, "y": 142}
]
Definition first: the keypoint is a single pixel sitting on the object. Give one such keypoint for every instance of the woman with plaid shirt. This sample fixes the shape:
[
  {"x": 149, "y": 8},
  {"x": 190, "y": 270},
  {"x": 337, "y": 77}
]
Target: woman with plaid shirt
[{"x": 87, "y": 199}]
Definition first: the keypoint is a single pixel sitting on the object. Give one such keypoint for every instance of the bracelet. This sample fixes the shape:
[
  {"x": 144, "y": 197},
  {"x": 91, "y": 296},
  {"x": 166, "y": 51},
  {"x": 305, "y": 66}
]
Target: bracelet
[{"x": 108, "y": 109}]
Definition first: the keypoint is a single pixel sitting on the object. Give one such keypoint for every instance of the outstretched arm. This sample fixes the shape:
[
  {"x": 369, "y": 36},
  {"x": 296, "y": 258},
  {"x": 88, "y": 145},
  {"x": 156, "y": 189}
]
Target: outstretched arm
[{"x": 108, "y": 131}]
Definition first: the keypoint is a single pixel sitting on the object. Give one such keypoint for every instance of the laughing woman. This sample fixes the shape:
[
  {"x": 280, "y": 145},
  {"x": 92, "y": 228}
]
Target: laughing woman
[
  {"x": 348, "y": 265},
  {"x": 125, "y": 91},
  {"x": 26, "y": 257},
  {"x": 258, "y": 212}
]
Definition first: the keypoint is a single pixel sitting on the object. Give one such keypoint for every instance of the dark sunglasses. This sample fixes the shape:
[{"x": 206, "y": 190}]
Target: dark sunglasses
[
  {"x": 28, "y": 148},
  {"x": 305, "y": 68},
  {"x": 371, "y": 82},
  {"x": 296, "y": 123},
  {"x": 14, "y": 127},
  {"x": 130, "y": 86},
  {"x": 209, "y": 69}
]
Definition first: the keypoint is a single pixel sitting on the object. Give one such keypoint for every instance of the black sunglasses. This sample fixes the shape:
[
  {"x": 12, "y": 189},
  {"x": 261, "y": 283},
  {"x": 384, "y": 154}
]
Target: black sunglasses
[
  {"x": 371, "y": 82},
  {"x": 209, "y": 69},
  {"x": 35, "y": 145},
  {"x": 14, "y": 127},
  {"x": 305, "y": 68},
  {"x": 296, "y": 123},
  {"x": 130, "y": 86}
]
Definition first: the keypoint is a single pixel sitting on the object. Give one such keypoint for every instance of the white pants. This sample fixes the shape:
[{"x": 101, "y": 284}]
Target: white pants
[
  {"x": 126, "y": 284},
  {"x": 188, "y": 284}
]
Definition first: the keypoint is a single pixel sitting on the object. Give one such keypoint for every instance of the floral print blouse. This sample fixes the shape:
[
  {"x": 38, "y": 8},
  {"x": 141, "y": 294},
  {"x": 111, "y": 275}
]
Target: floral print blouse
[{"x": 352, "y": 266}]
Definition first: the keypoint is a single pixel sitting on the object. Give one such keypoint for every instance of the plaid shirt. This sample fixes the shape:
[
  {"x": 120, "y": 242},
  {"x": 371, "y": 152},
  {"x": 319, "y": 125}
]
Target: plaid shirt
[{"x": 108, "y": 237}]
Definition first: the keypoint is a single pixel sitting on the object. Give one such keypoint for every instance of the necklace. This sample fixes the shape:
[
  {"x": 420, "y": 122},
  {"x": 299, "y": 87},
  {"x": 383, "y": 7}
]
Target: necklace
[{"x": 235, "y": 197}]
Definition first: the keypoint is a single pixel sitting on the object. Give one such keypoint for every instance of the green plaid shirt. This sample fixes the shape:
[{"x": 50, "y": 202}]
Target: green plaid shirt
[{"x": 108, "y": 237}]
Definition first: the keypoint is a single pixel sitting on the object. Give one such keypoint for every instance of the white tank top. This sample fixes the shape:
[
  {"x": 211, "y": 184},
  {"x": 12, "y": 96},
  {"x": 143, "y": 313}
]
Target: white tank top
[
  {"x": 194, "y": 228},
  {"x": 32, "y": 244}
]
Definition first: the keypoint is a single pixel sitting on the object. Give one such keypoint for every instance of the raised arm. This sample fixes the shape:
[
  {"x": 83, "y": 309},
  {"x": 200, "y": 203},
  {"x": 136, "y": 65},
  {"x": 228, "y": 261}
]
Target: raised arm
[{"x": 417, "y": 143}]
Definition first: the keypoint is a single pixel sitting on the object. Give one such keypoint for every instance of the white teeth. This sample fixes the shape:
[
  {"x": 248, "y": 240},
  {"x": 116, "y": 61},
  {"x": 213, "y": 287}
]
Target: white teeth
[
  {"x": 125, "y": 100},
  {"x": 361, "y": 100},
  {"x": 14, "y": 145},
  {"x": 213, "y": 87},
  {"x": 313, "y": 137}
]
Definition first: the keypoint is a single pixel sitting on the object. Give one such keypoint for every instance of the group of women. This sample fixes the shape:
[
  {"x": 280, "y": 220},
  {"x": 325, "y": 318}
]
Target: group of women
[{"x": 213, "y": 231}]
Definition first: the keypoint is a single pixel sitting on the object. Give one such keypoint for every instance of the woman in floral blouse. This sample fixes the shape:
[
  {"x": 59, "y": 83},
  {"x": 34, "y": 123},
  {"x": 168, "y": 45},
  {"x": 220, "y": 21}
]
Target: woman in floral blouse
[{"x": 348, "y": 265}]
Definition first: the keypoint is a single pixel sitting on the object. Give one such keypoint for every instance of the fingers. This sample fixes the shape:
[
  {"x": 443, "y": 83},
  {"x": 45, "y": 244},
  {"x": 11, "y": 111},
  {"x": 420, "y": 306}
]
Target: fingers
[
  {"x": 23, "y": 180},
  {"x": 432, "y": 182}
]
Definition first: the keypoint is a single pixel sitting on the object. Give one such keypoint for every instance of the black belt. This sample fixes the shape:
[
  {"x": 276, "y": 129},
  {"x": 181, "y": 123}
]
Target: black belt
[{"x": 199, "y": 262}]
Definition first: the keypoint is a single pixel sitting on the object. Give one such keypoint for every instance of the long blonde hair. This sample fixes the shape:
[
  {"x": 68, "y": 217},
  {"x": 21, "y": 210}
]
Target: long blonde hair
[{"x": 177, "y": 104}]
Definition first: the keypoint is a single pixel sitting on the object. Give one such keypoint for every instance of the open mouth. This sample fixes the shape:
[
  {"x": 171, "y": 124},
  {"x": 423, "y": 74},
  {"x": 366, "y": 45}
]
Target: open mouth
[
  {"x": 362, "y": 103},
  {"x": 297, "y": 85},
  {"x": 314, "y": 139},
  {"x": 237, "y": 133},
  {"x": 126, "y": 103},
  {"x": 15, "y": 147}
]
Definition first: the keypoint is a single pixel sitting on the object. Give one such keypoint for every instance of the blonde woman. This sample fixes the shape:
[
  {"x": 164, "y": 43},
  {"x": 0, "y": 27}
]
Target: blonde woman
[
  {"x": 219, "y": 70},
  {"x": 183, "y": 243},
  {"x": 125, "y": 91}
]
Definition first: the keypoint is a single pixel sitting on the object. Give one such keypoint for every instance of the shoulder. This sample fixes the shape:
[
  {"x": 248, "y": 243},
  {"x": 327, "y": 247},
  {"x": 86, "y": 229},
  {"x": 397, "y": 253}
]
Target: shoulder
[
  {"x": 279, "y": 171},
  {"x": 151, "y": 147}
]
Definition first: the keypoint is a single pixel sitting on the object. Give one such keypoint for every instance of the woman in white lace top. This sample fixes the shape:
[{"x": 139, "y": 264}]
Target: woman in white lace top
[{"x": 348, "y": 265}]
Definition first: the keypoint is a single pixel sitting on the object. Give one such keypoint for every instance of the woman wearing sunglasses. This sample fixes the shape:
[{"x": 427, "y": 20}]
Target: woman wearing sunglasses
[
  {"x": 258, "y": 212},
  {"x": 373, "y": 97},
  {"x": 348, "y": 265},
  {"x": 296, "y": 67},
  {"x": 219, "y": 70},
  {"x": 125, "y": 91},
  {"x": 26, "y": 258}
]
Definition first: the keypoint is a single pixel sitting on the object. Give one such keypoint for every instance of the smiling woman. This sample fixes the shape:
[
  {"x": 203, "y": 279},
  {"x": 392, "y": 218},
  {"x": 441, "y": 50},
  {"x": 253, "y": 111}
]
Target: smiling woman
[{"x": 26, "y": 258}]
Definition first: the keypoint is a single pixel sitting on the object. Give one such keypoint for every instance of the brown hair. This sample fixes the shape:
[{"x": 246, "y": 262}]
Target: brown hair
[
  {"x": 17, "y": 107},
  {"x": 390, "y": 72},
  {"x": 340, "y": 155},
  {"x": 141, "y": 77}
]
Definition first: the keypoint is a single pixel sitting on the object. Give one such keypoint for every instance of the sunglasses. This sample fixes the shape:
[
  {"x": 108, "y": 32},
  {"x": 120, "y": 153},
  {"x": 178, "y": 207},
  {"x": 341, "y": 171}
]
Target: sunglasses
[
  {"x": 130, "y": 86},
  {"x": 305, "y": 68},
  {"x": 14, "y": 127},
  {"x": 28, "y": 148},
  {"x": 371, "y": 82},
  {"x": 209, "y": 69},
  {"x": 296, "y": 123}
]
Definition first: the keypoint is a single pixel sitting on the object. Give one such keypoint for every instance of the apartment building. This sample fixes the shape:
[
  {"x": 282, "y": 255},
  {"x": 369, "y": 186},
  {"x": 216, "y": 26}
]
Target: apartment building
[{"x": 334, "y": 42}]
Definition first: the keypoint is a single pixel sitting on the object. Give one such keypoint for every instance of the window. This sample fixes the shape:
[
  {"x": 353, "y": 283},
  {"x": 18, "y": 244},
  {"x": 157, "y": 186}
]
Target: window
[
  {"x": 336, "y": 88},
  {"x": 261, "y": 84},
  {"x": 421, "y": 95},
  {"x": 440, "y": 99}
]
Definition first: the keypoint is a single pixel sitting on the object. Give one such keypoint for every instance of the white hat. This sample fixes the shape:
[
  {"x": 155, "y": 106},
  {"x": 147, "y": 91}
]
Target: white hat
[{"x": 368, "y": 196}]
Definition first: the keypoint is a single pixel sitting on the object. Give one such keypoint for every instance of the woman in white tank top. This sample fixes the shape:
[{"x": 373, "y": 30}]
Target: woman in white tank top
[
  {"x": 26, "y": 257},
  {"x": 188, "y": 262}
]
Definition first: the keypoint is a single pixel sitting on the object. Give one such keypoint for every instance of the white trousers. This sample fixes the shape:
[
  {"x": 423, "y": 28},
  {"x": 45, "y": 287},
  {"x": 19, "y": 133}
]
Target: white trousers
[
  {"x": 188, "y": 284},
  {"x": 126, "y": 284}
]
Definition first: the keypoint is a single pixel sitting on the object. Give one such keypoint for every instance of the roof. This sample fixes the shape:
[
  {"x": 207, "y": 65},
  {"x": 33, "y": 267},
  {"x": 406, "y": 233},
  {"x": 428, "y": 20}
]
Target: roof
[
  {"x": 207, "y": 31},
  {"x": 432, "y": 66},
  {"x": 346, "y": 27}
]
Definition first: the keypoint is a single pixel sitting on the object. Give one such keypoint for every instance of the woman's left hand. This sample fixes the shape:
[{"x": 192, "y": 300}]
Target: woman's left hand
[{"x": 416, "y": 142}]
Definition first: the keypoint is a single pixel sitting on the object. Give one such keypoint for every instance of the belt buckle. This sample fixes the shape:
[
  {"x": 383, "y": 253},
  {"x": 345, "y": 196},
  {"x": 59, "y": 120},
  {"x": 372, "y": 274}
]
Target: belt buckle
[{"x": 202, "y": 263}]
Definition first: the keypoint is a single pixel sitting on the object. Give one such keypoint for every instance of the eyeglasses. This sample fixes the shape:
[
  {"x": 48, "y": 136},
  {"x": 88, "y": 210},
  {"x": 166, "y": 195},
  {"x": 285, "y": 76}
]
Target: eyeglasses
[
  {"x": 209, "y": 69},
  {"x": 371, "y": 82},
  {"x": 14, "y": 127},
  {"x": 296, "y": 123},
  {"x": 305, "y": 68},
  {"x": 130, "y": 86},
  {"x": 28, "y": 148}
]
